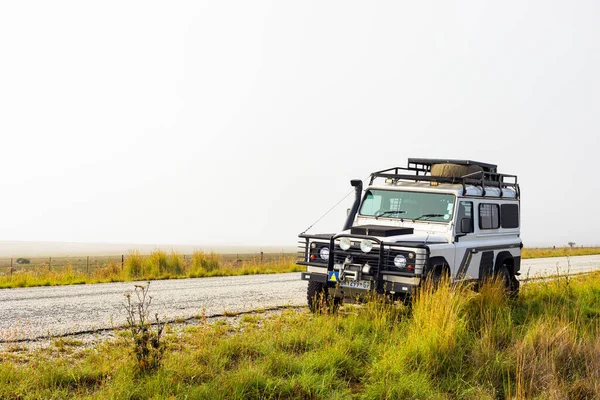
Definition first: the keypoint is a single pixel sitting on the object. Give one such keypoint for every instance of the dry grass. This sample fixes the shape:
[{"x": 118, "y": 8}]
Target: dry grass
[
  {"x": 157, "y": 265},
  {"x": 543, "y": 252}
]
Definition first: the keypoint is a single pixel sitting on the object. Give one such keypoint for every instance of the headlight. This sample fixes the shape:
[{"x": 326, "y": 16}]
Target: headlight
[
  {"x": 400, "y": 261},
  {"x": 345, "y": 243},
  {"x": 324, "y": 253},
  {"x": 366, "y": 245}
]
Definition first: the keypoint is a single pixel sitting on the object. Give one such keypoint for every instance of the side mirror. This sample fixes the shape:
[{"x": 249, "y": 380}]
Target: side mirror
[
  {"x": 466, "y": 225},
  {"x": 348, "y": 212}
]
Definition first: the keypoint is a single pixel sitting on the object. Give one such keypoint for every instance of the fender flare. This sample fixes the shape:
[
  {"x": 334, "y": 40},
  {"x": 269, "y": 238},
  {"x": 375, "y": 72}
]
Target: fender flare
[{"x": 437, "y": 262}]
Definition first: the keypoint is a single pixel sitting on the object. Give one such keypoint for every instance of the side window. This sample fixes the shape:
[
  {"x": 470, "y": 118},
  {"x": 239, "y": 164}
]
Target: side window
[
  {"x": 509, "y": 215},
  {"x": 489, "y": 216},
  {"x": 465, "y": 210}
]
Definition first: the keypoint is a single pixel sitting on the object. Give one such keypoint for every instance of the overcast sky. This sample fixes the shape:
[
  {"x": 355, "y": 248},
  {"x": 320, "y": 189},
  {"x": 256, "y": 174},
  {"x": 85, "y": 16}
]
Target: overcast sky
[{"x": 242, "y": 122}]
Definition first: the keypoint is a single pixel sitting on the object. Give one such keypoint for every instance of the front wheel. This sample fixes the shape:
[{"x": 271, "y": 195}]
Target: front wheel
[
  {"x": 436, "y": 277},
  {"x": 319, "y": 299}
]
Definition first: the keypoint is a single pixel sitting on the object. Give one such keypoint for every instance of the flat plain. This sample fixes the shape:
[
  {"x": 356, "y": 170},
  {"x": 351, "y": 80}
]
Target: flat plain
[{"x": 27, "y": 313}]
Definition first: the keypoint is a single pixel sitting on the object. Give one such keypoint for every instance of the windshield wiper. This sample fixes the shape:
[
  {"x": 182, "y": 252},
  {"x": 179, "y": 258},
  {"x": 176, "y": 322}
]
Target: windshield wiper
[
  {"x": 389, "y": 212},
  {"x": 428, "y": 216}
]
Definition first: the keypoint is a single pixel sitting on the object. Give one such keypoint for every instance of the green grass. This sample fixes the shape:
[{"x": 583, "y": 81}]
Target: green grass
[
  {"x": 452, "y": 344},
  {"x": 157, "y": 265}
]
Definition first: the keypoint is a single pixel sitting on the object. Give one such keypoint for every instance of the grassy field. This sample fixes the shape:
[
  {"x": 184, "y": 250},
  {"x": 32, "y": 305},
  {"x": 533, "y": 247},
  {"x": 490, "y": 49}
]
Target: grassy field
[
  {"x": 157, "y": 265},
  {"x": 163, "y": 265},
  {"x": 451, "y": 344},
  {"x": 543, "y": 252}
]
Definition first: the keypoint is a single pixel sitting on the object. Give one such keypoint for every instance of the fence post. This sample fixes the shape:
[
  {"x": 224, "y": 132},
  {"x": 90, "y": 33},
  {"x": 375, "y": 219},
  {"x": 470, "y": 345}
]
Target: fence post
[
  {"x": 10, "y": 268},
  {"x": 87, "y": 265},
  {"x": 50, "y": 263},
  {"x": 122, "y": 261},
  {"x": 261, "y": 257}
]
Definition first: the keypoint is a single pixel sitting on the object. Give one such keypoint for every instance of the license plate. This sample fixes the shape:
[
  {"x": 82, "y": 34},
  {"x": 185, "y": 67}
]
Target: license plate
[{"x": 357, "y": 284}]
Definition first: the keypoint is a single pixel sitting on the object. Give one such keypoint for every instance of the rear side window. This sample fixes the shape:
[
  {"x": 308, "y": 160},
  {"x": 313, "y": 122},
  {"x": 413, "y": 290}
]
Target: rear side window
[
  {"x": 489, "y": 216},
  {"x": 509, "y": 214}
]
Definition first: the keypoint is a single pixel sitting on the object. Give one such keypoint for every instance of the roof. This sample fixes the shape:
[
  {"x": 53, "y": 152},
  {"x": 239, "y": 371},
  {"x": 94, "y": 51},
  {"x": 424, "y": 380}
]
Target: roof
[{"x": 457, "y": 189}]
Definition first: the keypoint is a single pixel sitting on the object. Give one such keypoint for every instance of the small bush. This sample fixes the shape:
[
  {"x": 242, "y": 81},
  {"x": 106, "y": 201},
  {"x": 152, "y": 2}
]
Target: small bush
[
  {"x": 146, "y": 342},
  {"x": 112, "y": 270},
  {"x": 156, "y": 264},
  {"x": 134, "y": 265},
  {"x": 205, "y": 263},
  {"x": 175, "y": 263}
]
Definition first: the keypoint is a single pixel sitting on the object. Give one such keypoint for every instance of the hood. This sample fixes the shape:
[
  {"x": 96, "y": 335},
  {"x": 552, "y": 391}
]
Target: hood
[
  {"x": 417, "y": 237},
  {"x": 397, "y": 234}
]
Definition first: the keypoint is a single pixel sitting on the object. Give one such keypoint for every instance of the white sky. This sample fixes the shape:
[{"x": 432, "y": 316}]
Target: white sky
[{"x": 242, "y": 122}]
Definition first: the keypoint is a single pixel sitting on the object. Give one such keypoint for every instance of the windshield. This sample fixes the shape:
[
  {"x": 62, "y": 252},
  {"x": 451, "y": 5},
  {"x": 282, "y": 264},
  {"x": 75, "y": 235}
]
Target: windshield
[{"x": 436, "y": 207}]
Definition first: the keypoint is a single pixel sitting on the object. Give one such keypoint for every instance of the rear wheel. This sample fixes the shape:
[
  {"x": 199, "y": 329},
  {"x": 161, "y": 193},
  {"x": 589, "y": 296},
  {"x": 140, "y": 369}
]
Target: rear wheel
[
  {"x": 514, "y": 289},
  {"x": 503, "y": 277},
  {"x": 509, "y": 282}
]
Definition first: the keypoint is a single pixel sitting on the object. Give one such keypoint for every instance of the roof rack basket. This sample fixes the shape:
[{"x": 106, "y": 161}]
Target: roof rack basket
[{"x": 419, "y": 170}]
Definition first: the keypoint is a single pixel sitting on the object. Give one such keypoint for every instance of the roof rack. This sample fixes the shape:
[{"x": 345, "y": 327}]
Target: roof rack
[{"x": 419, "y": 170}]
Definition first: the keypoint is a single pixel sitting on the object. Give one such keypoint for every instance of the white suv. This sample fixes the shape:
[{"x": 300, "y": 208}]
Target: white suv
[{"x": 435, "y": 217}]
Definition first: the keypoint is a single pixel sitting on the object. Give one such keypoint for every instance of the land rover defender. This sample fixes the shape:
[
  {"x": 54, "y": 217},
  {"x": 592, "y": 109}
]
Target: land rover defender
[{"x": 433, "y": 218}]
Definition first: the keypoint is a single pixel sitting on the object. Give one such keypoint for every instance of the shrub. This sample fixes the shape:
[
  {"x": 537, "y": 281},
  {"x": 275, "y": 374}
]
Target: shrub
[
  {"x": 203, "y": 262},
  {"x": 175, "y": 263},
  {"x": 112, "y": 270},
  {"x": 156, "y": 264},
  {"x": 146, "y": 342},
  {"x": 134, "y": 264}
]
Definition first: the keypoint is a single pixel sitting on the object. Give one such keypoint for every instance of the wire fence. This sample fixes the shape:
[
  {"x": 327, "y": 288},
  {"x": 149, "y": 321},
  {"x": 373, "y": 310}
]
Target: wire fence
[{"x": 89, "y": 264}]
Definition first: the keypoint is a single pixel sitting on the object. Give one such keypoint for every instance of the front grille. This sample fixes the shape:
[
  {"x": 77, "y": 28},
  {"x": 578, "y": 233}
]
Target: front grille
[{"x": 358, "y": 257}]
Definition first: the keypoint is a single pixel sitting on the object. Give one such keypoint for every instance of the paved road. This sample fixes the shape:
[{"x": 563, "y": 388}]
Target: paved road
[
  {"x": 35, "y": 312},
  {"x": 550, "y": 266}
]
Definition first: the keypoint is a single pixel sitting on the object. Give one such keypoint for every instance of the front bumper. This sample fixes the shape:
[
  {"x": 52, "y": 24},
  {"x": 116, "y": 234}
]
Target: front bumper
[
  {"x": 391, "y": 284},
  {"x": 309, "y": 276},
  {"x": 348, "y": 264}
]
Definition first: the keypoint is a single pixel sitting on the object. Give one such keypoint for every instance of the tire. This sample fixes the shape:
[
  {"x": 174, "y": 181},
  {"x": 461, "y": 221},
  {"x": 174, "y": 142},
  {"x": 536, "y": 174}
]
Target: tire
[
  {"x": 318, "y": 298},
  {"x": 514, "y": 290},
  {"x": 436, "y": 276},
  {"x": 509, "y": 282}
]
